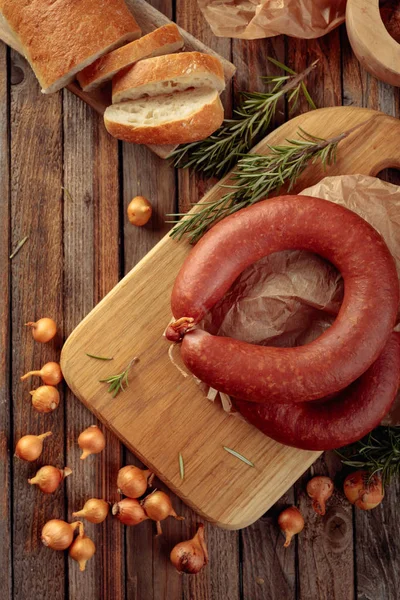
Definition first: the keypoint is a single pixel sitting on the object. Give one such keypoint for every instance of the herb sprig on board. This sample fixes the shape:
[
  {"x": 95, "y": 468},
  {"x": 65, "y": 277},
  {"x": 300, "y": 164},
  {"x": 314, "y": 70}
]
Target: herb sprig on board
[
  {"x": 379, "y": 452},
  {"x": 255, "y": 177},
  {"x": 218, "y": 153}
]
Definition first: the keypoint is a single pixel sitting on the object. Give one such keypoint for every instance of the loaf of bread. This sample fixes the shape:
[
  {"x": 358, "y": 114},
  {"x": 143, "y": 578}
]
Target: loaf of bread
[
  {"x": 163, "y": 40},
  {"x": 60, "y": 38},
  {"x": 165, "y": 74},
  {"x": 169, "y": 119}
]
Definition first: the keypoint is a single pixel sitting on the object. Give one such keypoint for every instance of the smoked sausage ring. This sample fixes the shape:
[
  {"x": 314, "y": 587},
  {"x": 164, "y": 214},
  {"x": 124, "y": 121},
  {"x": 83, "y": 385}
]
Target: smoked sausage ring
[
  {"x": 329, "y": 363},
  {"x": 342, "y": 420}
]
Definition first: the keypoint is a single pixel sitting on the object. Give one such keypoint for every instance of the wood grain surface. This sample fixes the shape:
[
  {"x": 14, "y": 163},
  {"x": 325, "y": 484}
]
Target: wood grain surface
[
  {"x": 250, "y": 564},
  {"x": 374, "y": 46}
]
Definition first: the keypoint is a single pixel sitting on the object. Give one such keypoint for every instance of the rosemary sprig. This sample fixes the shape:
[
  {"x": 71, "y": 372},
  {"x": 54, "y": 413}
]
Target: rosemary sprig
[
  {"x": 118, "y": 383},
  {"x": 379, "y": 452},
  {"x": 218, "y": 153},
  {"x": 256, "y": 177},
  {"x": 239, "y": 456}
]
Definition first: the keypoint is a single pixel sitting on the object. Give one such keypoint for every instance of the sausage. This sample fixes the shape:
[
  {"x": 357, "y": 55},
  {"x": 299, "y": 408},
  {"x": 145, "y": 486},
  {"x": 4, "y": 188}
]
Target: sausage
[
  {"x": 336, "y": 422},
  {"x": 329, "y": 363}
]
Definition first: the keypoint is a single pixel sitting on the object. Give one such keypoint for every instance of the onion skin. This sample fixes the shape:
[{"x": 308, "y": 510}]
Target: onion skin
[
  {"x": 95, "y": 510},
  {"x": 43, "y": 330},
  {"x": 139, "y": 211},
  {"x": 50, "y": 374},
  {"x": 48, "y": 478},
  {"x": 291, "y": 522},
  {"x": 45, "y": 398},
  {"x": 30, "y": 447},
  {"x": 82, "y": 549},
  {"x": 320, "y": 489},
  {"x": 192, "y": 555},
  {"x": 58, "y": 535},
  {"x": 364, "y": 491},
  {"x": 133, "y": 482},
  {"x": 91, "y": 441},
  {"x": 129, "y": 511}
]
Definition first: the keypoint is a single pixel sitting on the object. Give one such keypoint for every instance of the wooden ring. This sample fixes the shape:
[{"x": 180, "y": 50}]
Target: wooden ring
[{"x": 375, "y": 48}]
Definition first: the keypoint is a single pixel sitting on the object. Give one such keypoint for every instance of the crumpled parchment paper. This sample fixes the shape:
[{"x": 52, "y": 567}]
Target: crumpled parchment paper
[
  {"x": 291, "y": 297},
  {"x": 253, "y": 19}
]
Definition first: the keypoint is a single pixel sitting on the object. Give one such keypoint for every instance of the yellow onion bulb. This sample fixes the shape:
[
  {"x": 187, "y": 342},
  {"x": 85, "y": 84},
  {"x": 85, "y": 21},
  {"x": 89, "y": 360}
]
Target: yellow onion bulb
[
  {"x": 50, "y": 374},
  {"x": 132, "y": 481},
  {"x": 91, "y": 441},
  {"x": 190, "y": 556},
  {"x": 30, "y": 447},
  {"x": 58, "y": 535},
  {"x": 81, "y": 550},
  {"x": 48, "y": 478},
  {"x": 95, "y": 510},
  {"x": 291, "y": 522},
  {"x": 45, "y": 398},
  {"x": 43, "y": 330}
]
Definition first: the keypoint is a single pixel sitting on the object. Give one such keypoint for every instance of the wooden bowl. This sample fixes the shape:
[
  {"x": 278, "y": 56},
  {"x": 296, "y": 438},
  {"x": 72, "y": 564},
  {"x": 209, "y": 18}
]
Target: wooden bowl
[{"x": 375, "y": 48}]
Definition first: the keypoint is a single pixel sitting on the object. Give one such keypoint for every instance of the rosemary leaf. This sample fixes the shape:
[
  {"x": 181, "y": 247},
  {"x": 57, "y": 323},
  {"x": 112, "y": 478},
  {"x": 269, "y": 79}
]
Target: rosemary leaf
[
  {"x": 99, "y": 357},
  {"x": 256, "y": 176},
  {"x": 118, "y": 383},
  {"x": 218, "y": 153},
  {"x": 239, "y": 456},
  {"x": 19, "y": 246},
  {"x": 181, "y": 466},
  {"x": 377, "y": 453}
]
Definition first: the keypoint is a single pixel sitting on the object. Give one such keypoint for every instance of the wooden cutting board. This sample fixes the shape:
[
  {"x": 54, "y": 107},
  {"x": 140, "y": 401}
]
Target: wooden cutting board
[
  {"x": 163, "y": 413},
  {"x": 148, "y": 18}
]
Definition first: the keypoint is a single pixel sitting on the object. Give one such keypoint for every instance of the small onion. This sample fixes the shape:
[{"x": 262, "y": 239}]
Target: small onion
[
  {"x": 133, "y": 482},
  {"x": 291, "y": 522},
  {"x": 139, "y": 211},
  {"x": 320, "y": 489},
  {"x": 364, "y": 491},
  {"x": 50, "y": 374},
  {"x": 95, "y": 510},
  {"x": 48, "y": 478},
  {"x": 58, "y": 535},
  {"x": 45, "y": 398},
  {"x": 91, "y": 441},
  {"x": 158, "y": 507},
  {"x": 43, "y": 330},
  {"x": 129, "y": 511},
  {"x": 30, "y": 447},
  {"x": 192, "y": 555},
  {"x": 82, "y": 549}
]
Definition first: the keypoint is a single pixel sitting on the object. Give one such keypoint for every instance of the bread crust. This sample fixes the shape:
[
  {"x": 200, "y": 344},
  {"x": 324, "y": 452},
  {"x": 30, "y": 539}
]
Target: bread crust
[
  {"x": 195, "y": 127},
  {"x": 59, "y": 37},
  {"x": 165, "y": 39},
  {"x": 161, "y": 68}
]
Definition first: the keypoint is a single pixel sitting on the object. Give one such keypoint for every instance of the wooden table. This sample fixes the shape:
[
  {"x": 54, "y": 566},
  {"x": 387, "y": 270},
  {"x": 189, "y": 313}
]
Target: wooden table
[{"x": 80, "y": 244}]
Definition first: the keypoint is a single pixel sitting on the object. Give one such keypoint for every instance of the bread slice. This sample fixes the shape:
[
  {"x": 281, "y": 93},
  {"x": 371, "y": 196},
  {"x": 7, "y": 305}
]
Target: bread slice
[
  {"x": 165, "y": 74},
  {"x": 170, "y": 119},
  {"x": 164, "y": 40},
  {"x": 60, "y": 38}
]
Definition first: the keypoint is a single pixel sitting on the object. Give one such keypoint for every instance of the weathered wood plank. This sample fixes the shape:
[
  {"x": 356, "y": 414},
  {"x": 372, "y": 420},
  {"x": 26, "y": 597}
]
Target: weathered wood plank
[
  {"x": 5, "y": 339},
  {"x": 36, "y": 291},
  {"x": 91, "y": 238},
  {"x": 377, "y": 534}
]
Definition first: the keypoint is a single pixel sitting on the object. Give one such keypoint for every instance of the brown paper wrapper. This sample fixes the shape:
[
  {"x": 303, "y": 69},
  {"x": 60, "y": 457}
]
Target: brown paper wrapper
[
  {"x": 253, "y": 19},
  {"x": 289, "y": 298}
]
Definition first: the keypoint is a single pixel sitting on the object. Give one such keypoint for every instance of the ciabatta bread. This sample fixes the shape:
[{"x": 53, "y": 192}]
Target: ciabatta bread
[
  {"x": 171, "y": 119},
  {"x": 60, "y": 38},
  {"x": 163, "y": 40},
  {"x": 165, "y": 74}
]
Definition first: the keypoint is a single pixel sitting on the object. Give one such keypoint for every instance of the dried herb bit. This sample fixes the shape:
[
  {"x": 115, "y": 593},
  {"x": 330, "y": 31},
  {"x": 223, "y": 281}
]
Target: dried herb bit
[
  {"x": 19, "y": 246},
  {"x": 217, "y": 154},
  {"x": 239, "y": 456},
  {"x": 377, "y": 453},
  {"x": 99, "y": 357},
  {"x": 256, "y": 176},
  {"x": 118, "y": 383},
  {"x": 181, "y": 466}
]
